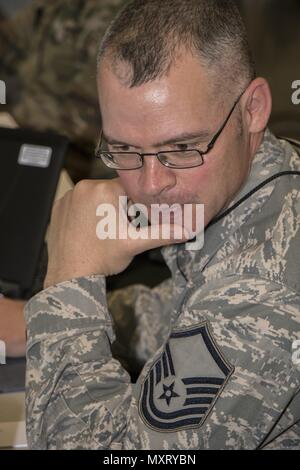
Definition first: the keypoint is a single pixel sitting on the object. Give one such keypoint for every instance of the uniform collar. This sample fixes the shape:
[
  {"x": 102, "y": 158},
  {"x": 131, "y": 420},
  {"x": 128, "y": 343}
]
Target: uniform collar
[{"x": 268, "y": 161}]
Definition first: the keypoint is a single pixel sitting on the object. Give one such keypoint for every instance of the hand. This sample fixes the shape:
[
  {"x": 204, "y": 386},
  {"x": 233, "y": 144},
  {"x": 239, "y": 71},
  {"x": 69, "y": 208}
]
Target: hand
[
  {"x": 74, "y": 250},
  {"x": 12, "y": 326}
]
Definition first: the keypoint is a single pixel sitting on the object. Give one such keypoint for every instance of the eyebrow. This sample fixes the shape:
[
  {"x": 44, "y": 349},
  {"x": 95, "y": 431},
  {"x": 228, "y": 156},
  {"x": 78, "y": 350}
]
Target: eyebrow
[{"x": 185, "y": 136}]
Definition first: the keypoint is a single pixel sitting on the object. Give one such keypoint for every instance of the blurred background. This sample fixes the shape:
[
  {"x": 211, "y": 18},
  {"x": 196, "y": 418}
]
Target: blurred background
[{"x": 47, "y": 60}]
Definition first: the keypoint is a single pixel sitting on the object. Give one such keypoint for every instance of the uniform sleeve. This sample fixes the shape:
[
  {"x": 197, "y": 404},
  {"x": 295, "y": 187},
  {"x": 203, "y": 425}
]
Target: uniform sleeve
[
  {"x": 224, "y": 377},
  {"x": 81, "y": 360}
]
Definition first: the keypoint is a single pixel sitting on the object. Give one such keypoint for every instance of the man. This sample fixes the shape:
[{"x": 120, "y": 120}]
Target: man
[{"x": 184, "y": 121}]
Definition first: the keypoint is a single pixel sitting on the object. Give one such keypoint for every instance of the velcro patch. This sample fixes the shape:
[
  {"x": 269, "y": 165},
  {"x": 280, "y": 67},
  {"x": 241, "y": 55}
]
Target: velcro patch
[{"x": 183, "y": 385}]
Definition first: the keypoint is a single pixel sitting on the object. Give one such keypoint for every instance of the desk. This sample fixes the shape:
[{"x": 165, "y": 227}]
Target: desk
[{"x": 12, "y": 421}]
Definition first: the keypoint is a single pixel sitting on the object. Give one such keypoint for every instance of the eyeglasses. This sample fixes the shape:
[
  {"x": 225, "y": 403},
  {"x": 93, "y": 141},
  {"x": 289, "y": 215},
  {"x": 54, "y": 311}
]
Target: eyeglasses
[{"x": 176, "y": 159}]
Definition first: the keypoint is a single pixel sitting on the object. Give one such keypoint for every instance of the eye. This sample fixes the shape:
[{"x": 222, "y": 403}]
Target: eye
[{"x": 183, "y": 147}]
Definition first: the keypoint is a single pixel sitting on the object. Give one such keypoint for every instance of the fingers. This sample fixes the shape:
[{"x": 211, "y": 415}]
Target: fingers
[{"x": 155, "y": 236}]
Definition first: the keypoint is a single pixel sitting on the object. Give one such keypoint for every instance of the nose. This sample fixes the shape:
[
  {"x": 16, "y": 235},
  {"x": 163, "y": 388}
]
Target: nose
[{"x": 156, "y": 178}]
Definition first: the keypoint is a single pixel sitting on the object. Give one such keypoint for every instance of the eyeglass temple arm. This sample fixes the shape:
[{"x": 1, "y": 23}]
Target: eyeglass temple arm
[{"x": 213, "y": 141}]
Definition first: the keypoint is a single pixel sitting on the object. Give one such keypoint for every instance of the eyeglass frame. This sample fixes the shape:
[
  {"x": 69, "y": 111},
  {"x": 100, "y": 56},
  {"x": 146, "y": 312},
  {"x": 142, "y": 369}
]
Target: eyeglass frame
[{"x": 210, "y": 146}]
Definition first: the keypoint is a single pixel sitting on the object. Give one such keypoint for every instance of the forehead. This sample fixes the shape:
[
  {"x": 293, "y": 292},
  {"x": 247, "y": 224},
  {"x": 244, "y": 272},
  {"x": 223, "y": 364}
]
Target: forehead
[{"x": 181, "y": 97}]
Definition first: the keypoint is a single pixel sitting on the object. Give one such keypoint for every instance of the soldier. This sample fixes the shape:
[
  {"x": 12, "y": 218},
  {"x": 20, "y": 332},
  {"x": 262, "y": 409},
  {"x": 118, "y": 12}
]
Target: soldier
[{"x": 184, "y": 121}]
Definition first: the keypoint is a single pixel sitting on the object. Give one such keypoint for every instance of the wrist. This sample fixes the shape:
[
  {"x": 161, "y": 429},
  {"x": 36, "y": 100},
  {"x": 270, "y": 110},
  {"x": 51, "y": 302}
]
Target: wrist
[{"x": 54, "y": 278}]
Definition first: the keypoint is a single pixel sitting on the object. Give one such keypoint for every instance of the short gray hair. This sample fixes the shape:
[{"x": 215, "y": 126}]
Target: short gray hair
[{"x": 148, "y": 34}]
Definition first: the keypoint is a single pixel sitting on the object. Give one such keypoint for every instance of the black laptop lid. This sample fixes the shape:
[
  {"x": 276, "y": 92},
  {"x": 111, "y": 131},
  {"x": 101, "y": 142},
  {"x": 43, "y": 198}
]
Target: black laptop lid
[{"x": 30, "y": 165}]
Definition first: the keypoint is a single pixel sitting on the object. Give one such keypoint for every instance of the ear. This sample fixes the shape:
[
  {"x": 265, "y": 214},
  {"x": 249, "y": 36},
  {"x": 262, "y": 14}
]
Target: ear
[{"x": 258, "y": 105}]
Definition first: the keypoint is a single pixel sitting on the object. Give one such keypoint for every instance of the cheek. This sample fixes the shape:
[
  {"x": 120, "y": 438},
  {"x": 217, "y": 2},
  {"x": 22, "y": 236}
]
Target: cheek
[
  {"x": 225, "y": 176},
  {"x": 196, "y": 181},
  {"x": 208, "y": 184}
]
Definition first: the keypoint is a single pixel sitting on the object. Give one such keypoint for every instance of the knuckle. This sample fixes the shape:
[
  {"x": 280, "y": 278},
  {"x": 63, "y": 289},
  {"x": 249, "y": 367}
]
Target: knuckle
[{"x": 82, "y": 187}]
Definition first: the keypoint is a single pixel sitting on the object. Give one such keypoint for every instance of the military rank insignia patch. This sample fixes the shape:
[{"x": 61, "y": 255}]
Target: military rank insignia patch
[{"x": 183, "y": 385}]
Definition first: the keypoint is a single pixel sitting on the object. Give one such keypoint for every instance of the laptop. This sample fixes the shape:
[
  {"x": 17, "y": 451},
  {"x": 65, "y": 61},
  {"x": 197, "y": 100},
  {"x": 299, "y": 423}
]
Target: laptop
[
  {"x": 30, "y": 165},
  {"x": 30, "y": 168}
]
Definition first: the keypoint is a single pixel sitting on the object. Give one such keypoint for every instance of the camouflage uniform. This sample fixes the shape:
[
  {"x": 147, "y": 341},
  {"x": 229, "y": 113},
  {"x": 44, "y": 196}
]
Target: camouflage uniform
[{"x": 213, "y": 345}]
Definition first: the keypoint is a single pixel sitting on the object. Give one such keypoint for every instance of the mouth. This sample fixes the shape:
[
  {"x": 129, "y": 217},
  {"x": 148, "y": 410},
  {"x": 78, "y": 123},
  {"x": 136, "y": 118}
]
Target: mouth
[{"x": 188, "y": 216}]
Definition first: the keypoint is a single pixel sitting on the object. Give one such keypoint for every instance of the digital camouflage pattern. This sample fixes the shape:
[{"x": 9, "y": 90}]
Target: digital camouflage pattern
[{"x": 212, "y": 346}]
